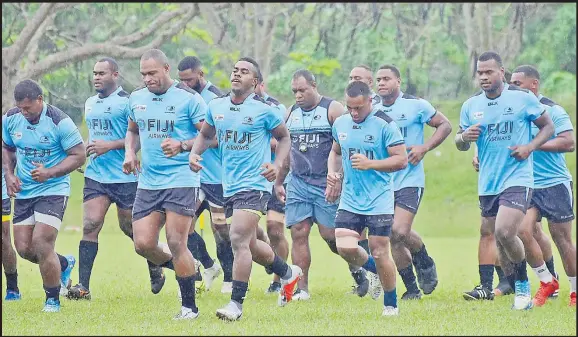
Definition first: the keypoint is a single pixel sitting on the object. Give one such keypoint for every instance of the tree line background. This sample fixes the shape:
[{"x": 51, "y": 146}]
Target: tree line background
[{"x": 434, "y": 45}]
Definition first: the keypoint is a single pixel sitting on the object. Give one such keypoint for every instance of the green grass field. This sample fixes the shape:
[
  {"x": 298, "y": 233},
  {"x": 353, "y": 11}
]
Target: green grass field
[{"x": 448, "y": 221}]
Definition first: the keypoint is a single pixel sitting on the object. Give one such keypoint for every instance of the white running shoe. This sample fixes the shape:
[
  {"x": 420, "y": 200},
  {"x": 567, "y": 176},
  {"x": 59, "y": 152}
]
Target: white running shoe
[
  {"x": 288, "y": 286},
  {"x": 227, "y": 287},
  {"x": 301, "y": 295},
  {"x": 523, "y": 297},
  {"x": 230, "y": 312},
  {"x": 210, "y": 275},
  {"x": 186, "y": 313},
  {"x": 390, "y": 311},
  {"x": 375, "y": 288}
]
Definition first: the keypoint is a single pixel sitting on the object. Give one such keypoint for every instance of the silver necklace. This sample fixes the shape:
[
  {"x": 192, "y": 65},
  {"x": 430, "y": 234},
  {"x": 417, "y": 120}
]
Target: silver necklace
[{"x": 303, "y": 145}]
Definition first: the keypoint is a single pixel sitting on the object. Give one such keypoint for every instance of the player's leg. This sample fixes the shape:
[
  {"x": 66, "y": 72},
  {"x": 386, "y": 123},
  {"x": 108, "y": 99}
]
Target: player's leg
[
  {"x": 401, "y": 254},
  {"x": 513, "y": 204},
  {"x": 407, "y": 201},
  {"x": 278, "y": 241},
  {"x": 9, "y": 255},
  {"x": 223, "y": 243},
  {"x": 548, "y": 284},
  {"x": 546, "y": 247}
]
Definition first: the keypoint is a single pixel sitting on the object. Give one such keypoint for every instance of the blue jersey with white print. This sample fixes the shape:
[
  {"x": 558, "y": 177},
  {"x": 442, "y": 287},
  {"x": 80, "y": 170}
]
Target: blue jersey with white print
[
  {"x": 244, "y": 135},
  {"x": 550, "y": 167},
  {"x": 212, "y": 171},
  {"x": 170, "y": 115},
  {"x": 107, "y": 119},
  {"x": 45, "y": 142},
  {"x": 505, "y": 121},
  {"x": 368, "y": 192},
  {"x": 282, "y": 109},
  {"x": 410, "y": 114}
]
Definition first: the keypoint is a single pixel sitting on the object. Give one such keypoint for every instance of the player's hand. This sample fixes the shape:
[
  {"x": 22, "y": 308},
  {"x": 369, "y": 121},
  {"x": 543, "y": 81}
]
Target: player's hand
[
  {"x": 416, "y": 153},
  {"x": 40, "y": 173},
  {"x": 476, "y": 163},
  {"x": 131, "y": 164},
  {"x": 334, "y": 178},
  {"x": 171, "y": 147},
  {"x": 332, "y": 192},
  {"x": 13, "y": 184},
  {"x": 195, "y": 162},
  {"x": 360, "y": 162},
  {"x": 269, "y": 171},
  {"x": 472, "y": 133},
  {"x": 97, "y": 148},
  {"x": 520, "y": 152},
  {"x": 280, "y": 193}
]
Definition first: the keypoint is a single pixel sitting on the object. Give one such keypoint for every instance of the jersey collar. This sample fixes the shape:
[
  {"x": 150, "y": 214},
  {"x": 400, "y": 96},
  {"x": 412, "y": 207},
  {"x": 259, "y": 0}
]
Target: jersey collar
[{"x": 206, "y": 88}]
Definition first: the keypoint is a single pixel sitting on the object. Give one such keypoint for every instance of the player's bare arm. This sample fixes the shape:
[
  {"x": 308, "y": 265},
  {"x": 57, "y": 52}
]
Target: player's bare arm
[
  {"x": 563, "y": 142},
  {"x": 443, "y": 129},
  {"x": 396, "y": 161},
  {"x": 546, "y": 126},
  {"x": 75, "y": 158}
]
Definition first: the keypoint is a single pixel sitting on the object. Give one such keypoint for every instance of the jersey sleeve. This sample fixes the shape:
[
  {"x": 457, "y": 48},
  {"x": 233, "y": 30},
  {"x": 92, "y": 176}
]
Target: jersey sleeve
[
  {"x": 392, "y": 135},
  {"x": 465, "y": 117},
  {"x": 334, "y": 132},
  {"x": 68, "y": 134},
  {"x": 427, "y": 111},
  {"x": 197, "y": 109},
  {"x": 6, "y": 138},
  {"x": 131, "y": 115},
  {"x": 561, "y": 120},
  {"x": 534, "y": 109},
  {"x": 209, "y": 115},
  {"x": 272, "y": 118}
]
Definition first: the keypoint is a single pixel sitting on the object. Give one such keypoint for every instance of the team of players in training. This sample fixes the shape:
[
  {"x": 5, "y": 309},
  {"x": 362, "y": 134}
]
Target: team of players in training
[{"x": 356, "y": 171}]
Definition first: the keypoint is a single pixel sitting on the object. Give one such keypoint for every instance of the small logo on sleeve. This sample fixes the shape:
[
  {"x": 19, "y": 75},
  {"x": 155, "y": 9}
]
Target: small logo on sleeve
[
  {"x": 219, "y": 118},
  {"x": 342, "y": 136},
  {"x": 478, "y": 115}
]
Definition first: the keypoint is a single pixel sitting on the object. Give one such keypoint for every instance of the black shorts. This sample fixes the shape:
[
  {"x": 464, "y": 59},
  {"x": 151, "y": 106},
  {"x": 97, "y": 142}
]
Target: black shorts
[
  {"x": 378, "y": 225},
  {"x": 275, "y": 204},
  {"x": 210, "y": 195},
  {"x": 516, "y": 197},
  {"x": 554, "y": 203},
  {"x": 45, "y": 209},
  {"x": 182, "y": 200},
  {"x": 6, "y": 208},
  {"x": 252, "y": 200},
  {"x": 122, "y": 194},
  {"x": 409, "y": 198}
]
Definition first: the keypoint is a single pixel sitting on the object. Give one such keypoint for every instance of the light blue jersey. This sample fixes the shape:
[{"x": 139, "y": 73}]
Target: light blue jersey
[
  {"x": 170, "y": 115},
  {"x": 107, "y": 119},
  {"x": 282, "y": 109},
  {"x": 368, "y": 192},
  {"x": 410, "y": 114},
  {"x": 550, "y": 167},
  {"x": 505, "y": 121},
  {"x": 212, "y": 171},
  {"x": 45, "y": 142},
  {"x": 4, "y": 190},
  {"x": 244, "y": 135}
]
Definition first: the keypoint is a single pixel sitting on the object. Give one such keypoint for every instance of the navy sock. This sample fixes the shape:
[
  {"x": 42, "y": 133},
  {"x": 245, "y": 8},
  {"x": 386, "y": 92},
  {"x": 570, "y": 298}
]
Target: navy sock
[
  {"x": 512, "y": 280},
  {"x": 63, "y": 262},
  {"x": 197, "y": 246},
  {"x": 168, "y": 264},
  {"x": 500, "y": 272},
  {"x": 390, "y": 298},
  {"x": 278, "y": 266},
  {"x": 187, "y": 286},
  {"x": 225, "y": 256},
  {"x": 486, "y": 275},
  {"x": 520, "y": 271},
  {"x": 421, "y": 259},
  {"x": 52, "y": 292},
  {"x": 86, "y": 255},
  {"x": 239, "y": 291},
  {"x": 550, "y": 265},
  {"x": 365, "y": 245},
  {"x": 12, "y": 281},
  {"x": 369, "y": 265},
  {"x": 408, "y": 278}
]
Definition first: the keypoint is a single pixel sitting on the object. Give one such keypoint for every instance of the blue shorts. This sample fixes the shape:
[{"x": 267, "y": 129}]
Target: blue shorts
[{"x": 308, "y": 201}]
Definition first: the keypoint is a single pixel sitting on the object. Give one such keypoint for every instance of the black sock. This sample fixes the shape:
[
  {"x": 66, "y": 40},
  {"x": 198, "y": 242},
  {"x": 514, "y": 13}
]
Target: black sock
[
  {"x": 12, "y": 281},
  {"x": 63, "y": 262},
  {"x": 365, "y": 245},
  {"x": 550, "y": 265},
  {"x": 486, "y": 275},
  {"x": 52, "y": 292},
  {"x": 239, "y": 291},
  {"x": 408, "y": 278},
  {"x": 500, "y": 272},
  {"x": 168, "y": 264},
  {"x": 520, "y": 271},
  {"x": 512, "y": 280},
  {"x": 225, "y": 256},
  {"x": 86, "y": 254},
  {"x": 421, "y": 259},
  {"x": 197, "y": 246},
  {"x": 279, "y": 266},
  {"x": 187, "y": 285}
]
